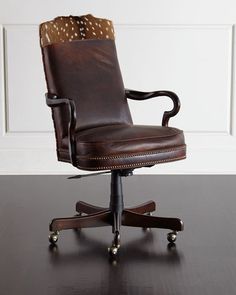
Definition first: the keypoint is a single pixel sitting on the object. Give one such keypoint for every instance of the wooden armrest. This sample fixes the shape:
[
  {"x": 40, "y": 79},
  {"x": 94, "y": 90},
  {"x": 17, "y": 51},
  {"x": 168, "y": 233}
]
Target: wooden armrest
[
  {"x": 138, "y": 95},
  {"x": 52, "y": 101}
]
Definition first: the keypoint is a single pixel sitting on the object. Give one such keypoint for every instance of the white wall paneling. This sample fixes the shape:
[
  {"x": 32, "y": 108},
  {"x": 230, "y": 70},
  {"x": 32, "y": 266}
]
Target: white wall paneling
[
  {"x": 196, "y": 60},
  {"x": 25, "y": 81},
  {"x": 193, "y": 61},
  {"x": 233, "y": 81}
]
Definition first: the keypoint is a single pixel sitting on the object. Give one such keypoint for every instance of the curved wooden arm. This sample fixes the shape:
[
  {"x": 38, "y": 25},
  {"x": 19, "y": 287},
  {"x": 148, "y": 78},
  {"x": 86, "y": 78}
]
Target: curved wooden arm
[
  {"x": 52, "y": 101},
  {"x": 138, "y": 95}
]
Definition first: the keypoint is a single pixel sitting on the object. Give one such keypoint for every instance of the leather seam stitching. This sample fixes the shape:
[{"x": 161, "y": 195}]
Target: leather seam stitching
[
  {"x": 133, "y": 165},
  {"x": 132, "y": 155}
]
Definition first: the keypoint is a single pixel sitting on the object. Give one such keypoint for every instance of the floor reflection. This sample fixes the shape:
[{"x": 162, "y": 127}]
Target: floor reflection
[{"x": 120, "y": 273}]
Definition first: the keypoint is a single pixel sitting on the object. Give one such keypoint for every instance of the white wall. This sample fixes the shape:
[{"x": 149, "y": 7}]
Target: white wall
[{"x": 184, "y": 46}]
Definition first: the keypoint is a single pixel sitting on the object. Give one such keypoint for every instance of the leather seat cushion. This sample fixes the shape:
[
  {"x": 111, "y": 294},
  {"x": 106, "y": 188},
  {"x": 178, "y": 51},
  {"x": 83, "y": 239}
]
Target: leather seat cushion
[{"x": 125, "y": 146}]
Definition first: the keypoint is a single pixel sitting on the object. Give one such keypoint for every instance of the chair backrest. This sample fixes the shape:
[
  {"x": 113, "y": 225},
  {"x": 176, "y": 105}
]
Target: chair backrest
[{"x": 80, "y": 63}]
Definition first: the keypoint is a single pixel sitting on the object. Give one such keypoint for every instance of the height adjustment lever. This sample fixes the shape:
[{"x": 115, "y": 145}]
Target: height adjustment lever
[{"x": 87, "y": 175}]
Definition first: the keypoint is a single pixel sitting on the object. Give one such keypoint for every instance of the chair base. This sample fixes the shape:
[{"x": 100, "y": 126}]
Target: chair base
[{"x": 116, "y": 215}]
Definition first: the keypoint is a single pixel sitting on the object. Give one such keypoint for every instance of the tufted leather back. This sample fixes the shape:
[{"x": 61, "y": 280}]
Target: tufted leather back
[{"x": 80, "y": 63}]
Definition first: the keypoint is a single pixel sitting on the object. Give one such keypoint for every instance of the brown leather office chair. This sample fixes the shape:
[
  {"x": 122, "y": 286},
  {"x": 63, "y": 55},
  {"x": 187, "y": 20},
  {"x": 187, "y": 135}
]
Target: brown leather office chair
[{"x": 93, "y": 126}]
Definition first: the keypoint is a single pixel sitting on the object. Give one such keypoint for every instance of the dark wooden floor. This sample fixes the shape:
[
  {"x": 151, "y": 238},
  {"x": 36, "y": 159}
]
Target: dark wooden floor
[{"x": 203, "y": 262}]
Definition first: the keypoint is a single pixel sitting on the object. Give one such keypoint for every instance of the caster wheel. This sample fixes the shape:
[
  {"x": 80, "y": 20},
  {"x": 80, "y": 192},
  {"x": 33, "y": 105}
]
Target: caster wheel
[
  {"x": 113, "y": 250},
  {"x": 171, "y": 237},
  {"x": 147, "y": 229},
  {"x": 53, "y": 238}
]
